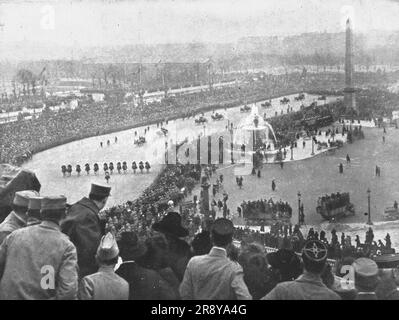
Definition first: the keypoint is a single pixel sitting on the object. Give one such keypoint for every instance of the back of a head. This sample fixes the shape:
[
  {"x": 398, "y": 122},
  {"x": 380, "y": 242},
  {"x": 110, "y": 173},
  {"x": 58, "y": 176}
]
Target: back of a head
[
  {"x": 201, "y": 243},
  {"x": 314, "y": 256},
  {"x": 222, "y": 232},
  {"x": 53, "y": 208}
]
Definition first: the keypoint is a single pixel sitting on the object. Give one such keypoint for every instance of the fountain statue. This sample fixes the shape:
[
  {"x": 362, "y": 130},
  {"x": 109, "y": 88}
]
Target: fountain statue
[{"x": 255, "y": 135}]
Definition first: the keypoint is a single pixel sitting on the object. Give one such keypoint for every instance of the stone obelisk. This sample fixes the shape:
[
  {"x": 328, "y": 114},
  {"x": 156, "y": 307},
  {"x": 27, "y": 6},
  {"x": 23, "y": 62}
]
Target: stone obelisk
[{"x": 349, "y": 91}]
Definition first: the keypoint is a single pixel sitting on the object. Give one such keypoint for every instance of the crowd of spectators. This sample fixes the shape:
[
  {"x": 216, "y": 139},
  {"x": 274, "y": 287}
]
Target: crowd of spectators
[{"x": 263, "y": 209}]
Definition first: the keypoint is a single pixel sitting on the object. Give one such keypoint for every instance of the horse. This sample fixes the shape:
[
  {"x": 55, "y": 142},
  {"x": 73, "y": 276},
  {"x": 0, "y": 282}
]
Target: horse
[
  {"x": 107, "y": 176},
  {"x": 63, "y": 170},
  {"x": 124, "y": 166},
  {"x": 69, "y": 169},
  {"x": 95, "y": 168},
  {"x": 147, "y": 166},
  {"x": 78, "y": 169},
  {"x": 141, "y": 166},
  {"x": 134, "y": 166}
]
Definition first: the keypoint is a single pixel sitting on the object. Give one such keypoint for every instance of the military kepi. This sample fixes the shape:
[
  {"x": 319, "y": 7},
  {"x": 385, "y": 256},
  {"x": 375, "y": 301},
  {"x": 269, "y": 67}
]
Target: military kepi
[
  {"x": 53, "y": 203},
  {"x": 100, "y": 190},
  {"x": 108, "y": 248},
  {"x": 35, "y": 203},
  {"x": 223, "y": 227},
  {"x": 21, "y": 198}
]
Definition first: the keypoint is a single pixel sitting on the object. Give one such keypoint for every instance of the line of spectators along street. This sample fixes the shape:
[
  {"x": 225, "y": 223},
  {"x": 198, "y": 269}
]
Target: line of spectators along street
[{"x": 19, "y": 140}]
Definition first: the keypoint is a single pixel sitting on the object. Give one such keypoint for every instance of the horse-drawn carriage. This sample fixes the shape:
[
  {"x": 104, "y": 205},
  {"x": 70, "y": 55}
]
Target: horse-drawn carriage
[
  {"x": 245, "y": 108},
  {"x": 162, "y": 132},
  {"x": 284, "y": 100},
  {"x": 201, "y": 120},
  {"x": 335, "y": 206},
  {"x": 266, "y": 104},
  {"x": 300, "y": 97},
  {"x": 217, "y": 116},
  {"x": 140, "y": 141}
]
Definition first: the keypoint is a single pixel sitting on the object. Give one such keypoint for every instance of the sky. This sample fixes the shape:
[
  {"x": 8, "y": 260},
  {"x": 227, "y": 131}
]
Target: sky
[{"x": 118, "y": 22}]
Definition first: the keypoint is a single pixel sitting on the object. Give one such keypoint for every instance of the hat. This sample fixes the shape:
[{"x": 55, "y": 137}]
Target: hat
[
  {"x": 171, "y": 224},
  {"x": 21, "y": 198},
  {"x": 130, "y": 246},
  {"x": 53, "y": 203},
  {"x": 100, "y": 190},
  {"x": 366, "y": 273},
  {"x": 35, "y": 203},
  {"x": 108, "y": 248},
  {"x": 223, "y": 227},
  {"x": 315, "y": 250},
  {"x": 287, "y": 262}
]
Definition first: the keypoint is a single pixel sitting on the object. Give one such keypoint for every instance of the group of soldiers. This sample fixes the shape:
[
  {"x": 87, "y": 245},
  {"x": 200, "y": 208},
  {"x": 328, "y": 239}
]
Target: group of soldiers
[{"x": 108, "y": 169}]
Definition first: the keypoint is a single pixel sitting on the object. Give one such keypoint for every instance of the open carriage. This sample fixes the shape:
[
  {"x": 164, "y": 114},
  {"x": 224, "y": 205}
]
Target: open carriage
[
  {"x": 201, "y": 120},
  {"x": 245, "y": 108},
  {"x": 266, "y": 104},
  {"x": 217, "y": 116},
  {"x": 140, "y": 141},
  {"x": 300, "y": 97},
  {"x": 284, "y": 100}
]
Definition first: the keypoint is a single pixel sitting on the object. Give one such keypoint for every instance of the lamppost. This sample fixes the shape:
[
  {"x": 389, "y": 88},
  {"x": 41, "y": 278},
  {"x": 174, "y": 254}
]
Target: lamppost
[
  {"x": 369, "y": 216},
  {"x": 312, "y": 146},
  {"x": 299, "y": 208}
]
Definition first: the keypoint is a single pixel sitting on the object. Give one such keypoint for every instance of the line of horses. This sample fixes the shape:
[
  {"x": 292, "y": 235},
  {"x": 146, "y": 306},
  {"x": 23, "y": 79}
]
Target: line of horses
[{"x": 108, "y": 168}]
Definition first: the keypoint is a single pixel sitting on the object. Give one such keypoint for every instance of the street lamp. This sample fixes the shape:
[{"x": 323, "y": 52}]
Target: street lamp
[
  {"x": 312, "y": 146},
  {"x": 299, "y": 208},
  {"x": 369, "y": 216},
  {"x": 292, "y": 151}
]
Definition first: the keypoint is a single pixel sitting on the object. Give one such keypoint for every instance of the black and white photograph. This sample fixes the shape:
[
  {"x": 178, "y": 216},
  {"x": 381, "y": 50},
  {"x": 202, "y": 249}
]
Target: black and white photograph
[{"x": 215, "y": 150}]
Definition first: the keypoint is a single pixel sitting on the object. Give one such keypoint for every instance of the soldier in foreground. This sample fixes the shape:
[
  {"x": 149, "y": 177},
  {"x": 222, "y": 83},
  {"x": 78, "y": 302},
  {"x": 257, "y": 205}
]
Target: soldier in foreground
[
  {"x": 83, "y": 226},
  {"x": 308, "y": 286},
  {"x": 17, "y": 218},
  {"x": 105, "y": 284},
  {"x": 40, "y": 262}
]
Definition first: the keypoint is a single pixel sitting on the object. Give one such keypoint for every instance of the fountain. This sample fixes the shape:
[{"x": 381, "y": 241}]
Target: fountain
[{"x": 254, "y": 135}]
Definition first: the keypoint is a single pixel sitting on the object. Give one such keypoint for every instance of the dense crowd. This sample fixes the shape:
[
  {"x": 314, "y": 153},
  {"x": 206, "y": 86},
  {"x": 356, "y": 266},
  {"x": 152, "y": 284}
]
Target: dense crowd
[
  {"x": 22, "y": 138},
  {"x": 173, "y": 184},
  {"x": 262, "y": 210},
  {"x": 166, "y": 262}
]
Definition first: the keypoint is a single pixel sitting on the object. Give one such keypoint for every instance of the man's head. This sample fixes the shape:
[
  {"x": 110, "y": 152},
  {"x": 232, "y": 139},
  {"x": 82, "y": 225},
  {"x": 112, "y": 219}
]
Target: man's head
[
  {"x": 222, "y": 232},
  {"x": 53, "y": 208},
  {"x": 314, "y": 256},
  {"x": 99, "y": 195},
  {"x": 21, "y": 201},
  {"x": 366, "y": 274},
  {"x": 108, "y": 251},
  {"x": 34, "y": 206}
]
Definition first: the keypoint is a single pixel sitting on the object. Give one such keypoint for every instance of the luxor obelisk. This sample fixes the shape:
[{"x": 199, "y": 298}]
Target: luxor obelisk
[{"x": 349, "y": 91}]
